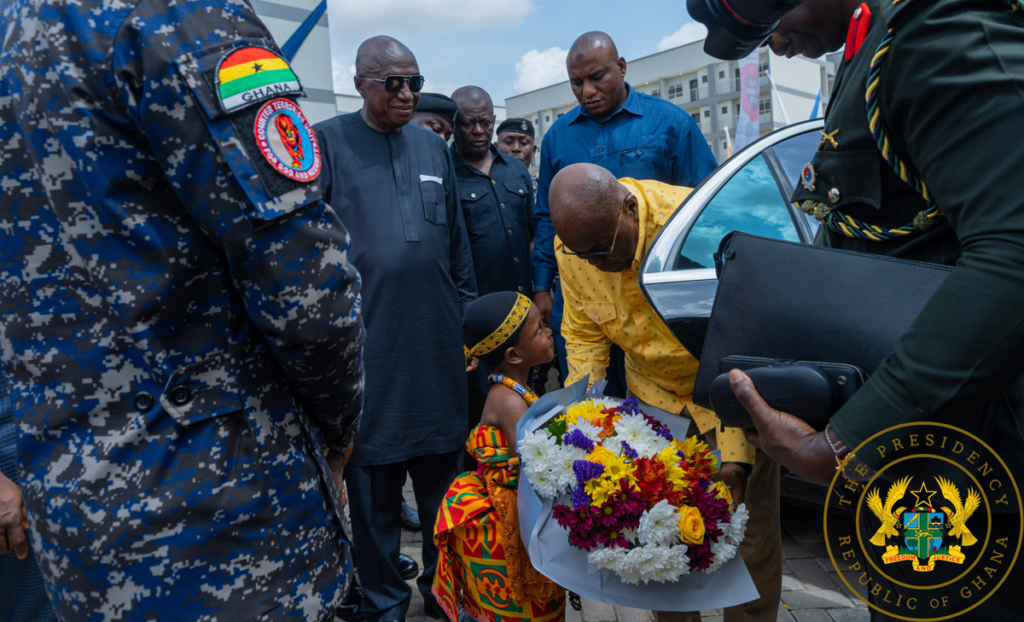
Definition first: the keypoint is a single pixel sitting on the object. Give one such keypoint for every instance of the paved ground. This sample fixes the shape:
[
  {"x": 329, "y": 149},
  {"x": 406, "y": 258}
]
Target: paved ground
[{"x": 812, "y": 590}]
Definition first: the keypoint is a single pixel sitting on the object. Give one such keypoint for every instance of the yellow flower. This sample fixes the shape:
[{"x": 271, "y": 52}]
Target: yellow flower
[
  {"x": 692, "y": 445},
  {"x": 601, "y": 488},
  {"x": 673, "y": 472},
  {"x": 586, "y": 409},
  {"x": 691, "y": 525},
  {"x": 720, "y": 489}
]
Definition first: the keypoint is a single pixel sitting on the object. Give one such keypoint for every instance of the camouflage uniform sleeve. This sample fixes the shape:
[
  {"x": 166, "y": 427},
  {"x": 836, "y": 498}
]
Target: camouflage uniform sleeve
[{"x": 213, "y": 101}]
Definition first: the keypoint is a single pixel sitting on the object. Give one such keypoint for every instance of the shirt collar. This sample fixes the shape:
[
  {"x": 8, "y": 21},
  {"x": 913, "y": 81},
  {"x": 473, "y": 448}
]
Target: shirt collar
[
  {"x": 498, "y": 157},
  {"x": 643, "y": 212},
  {"x": 631, "y": 105}
]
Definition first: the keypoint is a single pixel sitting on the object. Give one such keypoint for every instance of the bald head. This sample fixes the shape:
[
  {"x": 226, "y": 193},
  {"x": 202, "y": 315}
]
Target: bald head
[
  {"x": 597, "y": 74},
  {"x": 595, "y": 216},
  {"x": 594, "y": 42},
  {"x": 584, "y": 196},
  {"x": 378, "y": 54},
  {"x": 472, "y": 96}
]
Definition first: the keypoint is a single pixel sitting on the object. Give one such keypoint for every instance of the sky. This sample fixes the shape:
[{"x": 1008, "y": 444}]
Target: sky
[{"x": 506, "y": 47}]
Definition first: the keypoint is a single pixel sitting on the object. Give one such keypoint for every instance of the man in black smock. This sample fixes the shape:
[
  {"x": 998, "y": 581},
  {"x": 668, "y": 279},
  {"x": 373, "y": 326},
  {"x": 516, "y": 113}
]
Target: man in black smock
[
  {"x": 393, "y": 184},
  {"x": 946, "y": 87}
]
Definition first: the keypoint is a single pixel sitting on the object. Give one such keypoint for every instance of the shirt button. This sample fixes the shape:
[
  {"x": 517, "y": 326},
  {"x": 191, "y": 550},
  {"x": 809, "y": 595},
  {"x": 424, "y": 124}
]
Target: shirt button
[
  {"x": 180, "y": 396},
  {"x": 515, "y": 259},
  {"x": 493, "y": 182},
  {"x": 472, "y": 195},
  {"x": 510, "y": 232},
  {"x": 143, "y": 402},
  {"x": 520, "y": 191},
  {"x": 599, "y": 150},
  {"x": 520, "y": 288},
  {"x": 502, "y": 206}
]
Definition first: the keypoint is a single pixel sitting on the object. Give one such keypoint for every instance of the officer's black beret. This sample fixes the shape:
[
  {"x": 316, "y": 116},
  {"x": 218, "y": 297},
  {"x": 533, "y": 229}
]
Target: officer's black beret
[
  {"x": 517, "y": 125},
  {"x": 441, "y": 105}
]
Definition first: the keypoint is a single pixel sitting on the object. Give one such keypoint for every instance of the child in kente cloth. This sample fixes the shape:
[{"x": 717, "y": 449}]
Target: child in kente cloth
[{"x": 483, "y": 565}]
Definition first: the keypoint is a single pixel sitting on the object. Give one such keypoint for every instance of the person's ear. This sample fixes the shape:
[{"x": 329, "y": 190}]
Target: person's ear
[
  {"x": 359, "y": 85},
  {"x": 512, "y": 356},
  {"x": 633, "y": 208},
  {"x": 622, "y": 66}
]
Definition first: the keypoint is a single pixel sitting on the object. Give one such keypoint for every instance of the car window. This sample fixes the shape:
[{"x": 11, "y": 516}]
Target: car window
[
  {"x": 795, "y": 152},
  {"x": 749, "y": 202}
]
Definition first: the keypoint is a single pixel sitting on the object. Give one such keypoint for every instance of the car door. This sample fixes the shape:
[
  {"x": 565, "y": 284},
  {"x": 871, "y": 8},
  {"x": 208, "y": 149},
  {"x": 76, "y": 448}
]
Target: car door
[{"x": 749, "y": 192}]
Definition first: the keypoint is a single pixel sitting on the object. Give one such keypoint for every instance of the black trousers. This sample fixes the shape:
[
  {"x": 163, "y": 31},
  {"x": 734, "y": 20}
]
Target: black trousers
[{"x": 375, "y": 497}]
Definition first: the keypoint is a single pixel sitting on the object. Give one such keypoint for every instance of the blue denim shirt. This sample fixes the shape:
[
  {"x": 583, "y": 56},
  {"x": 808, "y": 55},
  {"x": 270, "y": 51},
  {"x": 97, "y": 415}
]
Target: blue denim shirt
[{"x": 647, "y": 138}]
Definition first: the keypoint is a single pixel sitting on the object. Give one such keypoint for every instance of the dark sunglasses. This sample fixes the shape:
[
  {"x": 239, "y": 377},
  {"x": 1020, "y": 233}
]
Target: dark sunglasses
[
  {"x": 393, "y": 84},
  {"x": 611, "y": 249}
]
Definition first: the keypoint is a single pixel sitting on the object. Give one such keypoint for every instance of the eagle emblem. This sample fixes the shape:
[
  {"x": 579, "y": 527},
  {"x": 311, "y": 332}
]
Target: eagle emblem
[{"x": 920, "y": 532}]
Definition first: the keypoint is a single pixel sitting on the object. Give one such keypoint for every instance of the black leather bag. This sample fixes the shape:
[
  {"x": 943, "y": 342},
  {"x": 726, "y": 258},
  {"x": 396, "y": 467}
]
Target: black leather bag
[{"x": 787, "y": 302}]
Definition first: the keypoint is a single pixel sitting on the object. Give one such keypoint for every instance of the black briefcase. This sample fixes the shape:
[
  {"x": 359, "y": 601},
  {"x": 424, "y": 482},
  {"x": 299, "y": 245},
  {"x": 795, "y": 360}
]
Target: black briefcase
[{"x": 782, "y": 304}]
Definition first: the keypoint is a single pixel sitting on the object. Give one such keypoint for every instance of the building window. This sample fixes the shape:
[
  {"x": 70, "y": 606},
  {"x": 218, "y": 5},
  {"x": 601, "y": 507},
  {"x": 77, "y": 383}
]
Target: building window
[
  {"x": 707, "y": 114},
  {"x": 694, "y": 92},
  {"x": 721, "y": 75},
  {"x": 725, "y": 110},
  {"x": 765, "y": 106},
  {"x": 547, "y": 118},
  {"x": 656, "y": 93},
  {"x": 762, "y": 68},
  {"x": 704, "y": 79},
  {"x": 696, "y": 118},
  {"x": 737, "y": 109},
  {"x": 737, "y": 85},
  {"x": 725, "y": 146},
  {"x": 675, "y": 90},
  {"x": 561, "y": 114}
]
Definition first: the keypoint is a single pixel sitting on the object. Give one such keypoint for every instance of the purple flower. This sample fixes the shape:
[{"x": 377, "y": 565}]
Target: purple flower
[
  {"x": 586, "y": 470},
  {"x": 628, "y": 451},
  {"x": 580, "y": 498},
  {"x": 576, "y": 438},
  {"x": 665, "y": 434},
  {"x": 631, "y": 405}
]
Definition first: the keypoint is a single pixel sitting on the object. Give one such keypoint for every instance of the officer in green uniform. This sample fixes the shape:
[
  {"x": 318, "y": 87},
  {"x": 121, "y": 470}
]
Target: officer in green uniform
[{"x": 918, "y": 160}]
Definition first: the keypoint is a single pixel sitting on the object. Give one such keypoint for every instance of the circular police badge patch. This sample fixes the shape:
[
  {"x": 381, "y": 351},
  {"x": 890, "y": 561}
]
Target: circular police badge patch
[
  {"x": 931, "y": 529},
  {"x": 286, "y": 140}
]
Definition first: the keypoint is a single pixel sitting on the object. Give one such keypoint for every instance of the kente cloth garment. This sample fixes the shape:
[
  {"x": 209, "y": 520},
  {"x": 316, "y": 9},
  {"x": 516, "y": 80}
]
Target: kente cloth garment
[
  {"x": 483, "y": 565},
  {"x": 605, "y": 308}
]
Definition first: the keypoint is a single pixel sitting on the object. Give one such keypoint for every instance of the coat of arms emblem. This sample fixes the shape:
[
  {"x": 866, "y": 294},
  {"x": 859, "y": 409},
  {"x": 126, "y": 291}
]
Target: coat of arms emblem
[{"x": 923, "y": 532}]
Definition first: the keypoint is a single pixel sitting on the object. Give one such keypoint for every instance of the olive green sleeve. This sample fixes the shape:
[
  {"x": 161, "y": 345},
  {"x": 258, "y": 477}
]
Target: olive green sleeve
[{"x": 957, "y": 117}]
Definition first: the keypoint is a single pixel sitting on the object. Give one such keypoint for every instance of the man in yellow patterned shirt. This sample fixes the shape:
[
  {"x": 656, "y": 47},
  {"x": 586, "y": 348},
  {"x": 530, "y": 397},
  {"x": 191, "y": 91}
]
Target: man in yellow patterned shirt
[{"x": 604, "y": 227}]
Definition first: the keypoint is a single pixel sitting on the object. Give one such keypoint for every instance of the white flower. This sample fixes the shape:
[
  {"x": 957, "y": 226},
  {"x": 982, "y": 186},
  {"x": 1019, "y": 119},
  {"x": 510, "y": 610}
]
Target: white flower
[
  {"x": 561, "y": 466},
  {"x": 659, "y": 525},
  {"x": 544, "y": 484},
  {"x": 737, "y": 526},
  {"x": 723, "y": 552},
  {"x": 646, "y": 563},
  {"x": 634, "y": 430},
  {"x": 536, "y": 449},
  {"x": 589, "y": 430}
]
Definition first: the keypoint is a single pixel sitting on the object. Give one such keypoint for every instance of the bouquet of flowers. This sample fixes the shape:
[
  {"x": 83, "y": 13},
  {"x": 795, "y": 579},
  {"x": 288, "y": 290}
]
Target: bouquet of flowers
[{"x": 642, "y": 503}]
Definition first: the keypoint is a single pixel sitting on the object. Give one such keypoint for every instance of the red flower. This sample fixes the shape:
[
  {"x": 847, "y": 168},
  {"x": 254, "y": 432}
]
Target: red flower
[
  {"x": 650, "y": 479},
  {"x": 700, "y": 556}
]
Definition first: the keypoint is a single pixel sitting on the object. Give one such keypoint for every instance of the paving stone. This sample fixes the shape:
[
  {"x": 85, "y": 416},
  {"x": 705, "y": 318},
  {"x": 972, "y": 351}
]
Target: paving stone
[
  {"x": 711, "y": 618},
  {"x": 594, "y": 611},
  {"x": 809, "y": 573},
  {"x": 571, "y": 615},
  {"x": 852, "y": 579},
  {"x": 804, "y": 532},
  {"x": 791, "y": 583},
  {"x": 850, "y": 615},
  {"x": 629, "y": 614},
  {"x": 826, "y": 564},
  {"x": 798, "y": 551},
  {"x": 784, "y": 615},
  {"x": 815, "y": 599},
  {"x": 811, "y": 615}
]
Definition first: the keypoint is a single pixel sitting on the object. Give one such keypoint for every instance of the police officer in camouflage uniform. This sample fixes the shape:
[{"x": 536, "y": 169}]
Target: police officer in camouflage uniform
[
  {"x": 179, "y": 319},
  {"x": 918, "y": 160}
]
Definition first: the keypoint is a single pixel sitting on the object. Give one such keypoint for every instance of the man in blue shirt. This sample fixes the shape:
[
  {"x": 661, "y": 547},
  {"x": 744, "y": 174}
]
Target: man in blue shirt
[{"x": 628, "y": 133}]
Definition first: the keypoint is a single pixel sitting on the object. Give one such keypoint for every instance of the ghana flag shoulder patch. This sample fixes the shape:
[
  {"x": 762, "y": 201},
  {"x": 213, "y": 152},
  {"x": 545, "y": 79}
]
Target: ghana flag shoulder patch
[{"x": 253, "y": 74}]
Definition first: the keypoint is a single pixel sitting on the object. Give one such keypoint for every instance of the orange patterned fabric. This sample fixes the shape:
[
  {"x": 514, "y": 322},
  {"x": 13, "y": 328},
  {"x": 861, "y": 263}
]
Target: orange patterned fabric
[{"x": 482, "y": 564}]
